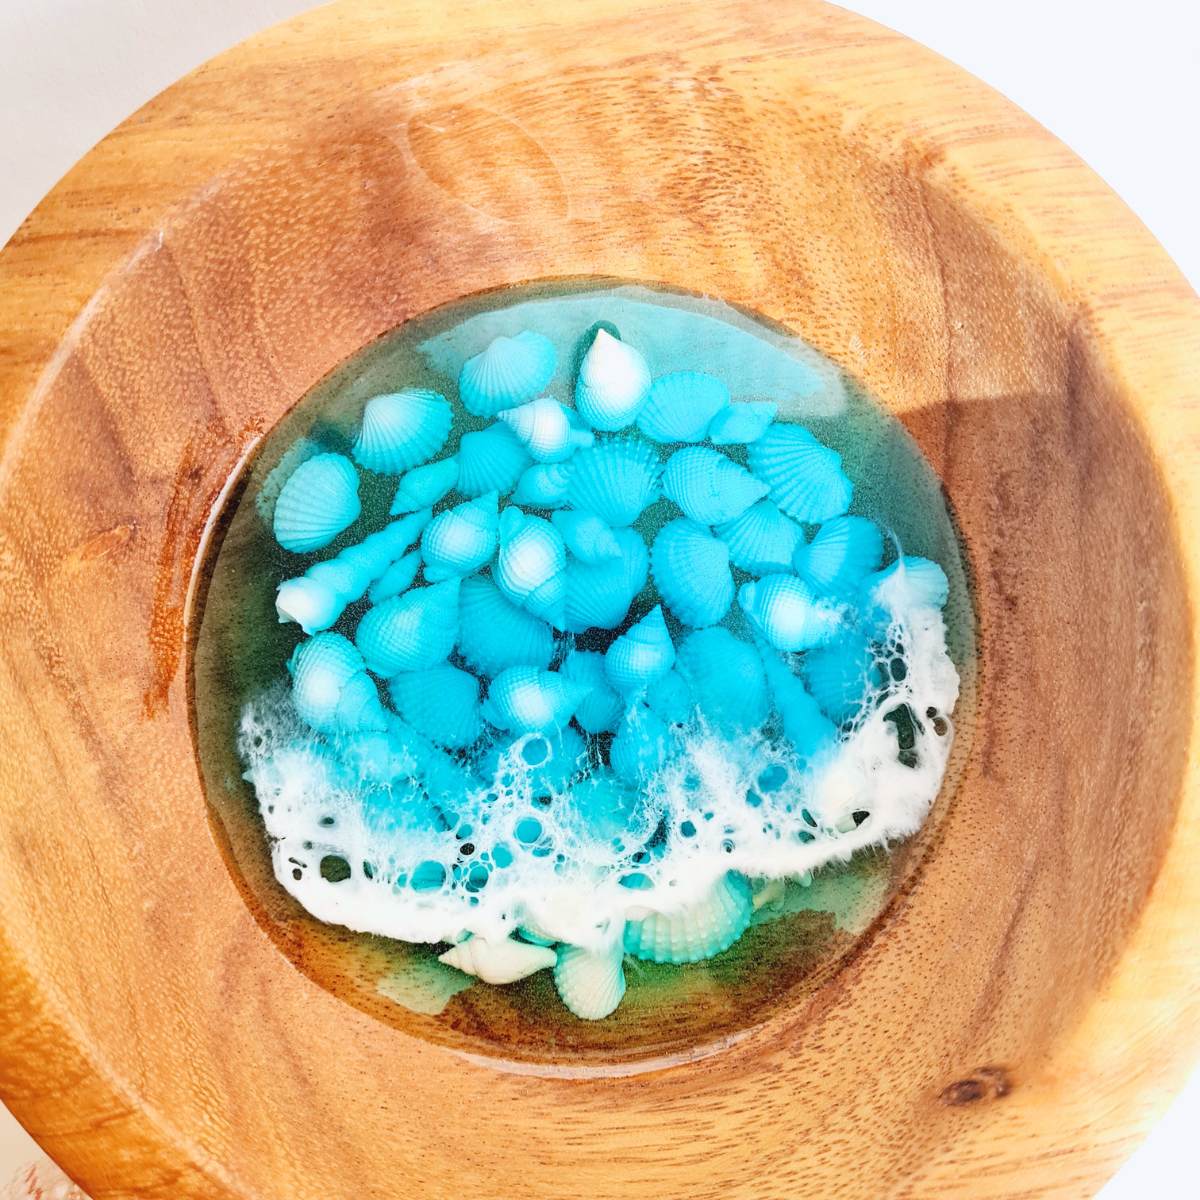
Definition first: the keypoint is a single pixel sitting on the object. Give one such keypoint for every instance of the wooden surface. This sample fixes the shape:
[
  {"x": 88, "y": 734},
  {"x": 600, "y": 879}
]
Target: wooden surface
[{"x": 1023, "y": 1011}]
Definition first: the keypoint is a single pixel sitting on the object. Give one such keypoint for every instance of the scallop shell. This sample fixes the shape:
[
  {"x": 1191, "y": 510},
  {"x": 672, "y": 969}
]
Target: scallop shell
[
  {"x": 842, "y": 676},
  {"x": 591, "y": 984},
  {"x": 299, "y": 451},
  {"x": 613, "y": 383},
  {"x": 599, "y": 594},
  {"x": 460, "y": 540},
  {"x": 401, "y": 430},
  {"x": 909, "y": 581},
  {"x": 805, "y": 477},
  {"x": 396, "y": 579},
  {"x": 601, "y": 708},
  {"x": 543, "y": 485},
  {"x": 843, "y": 552},
  {"x": 330, "y": 689},
  {"x": 670, "y": 698},
  {"x": 498, "y": 961},
  {"x": 440, "y": 703},
  {"x": 615, "y": 479},
  {"x": 786, "y": 611},
  {"x": 641, "y": 747},
  {"x": 543, "y": 762},
  {"x": 510, "y": 371},
  {"x": 495, "y": 634},
  {"x": 681, "y": 405},
  {"x": 742, "y": 423},
  {"x": 531, "y": 565},
  {"x": 709, "y": 487},
  {"x": 586, "y": 536},
  {"x": 318, "y": 501},
  {"x": 691, "y": 571},
  {"x": 725, "y": 679},
  {"x": 805, "y": 726},
  {"x": 490, "y": 460},
  {"x": 526, "y": 699},
  {"x": 544, "y": 428},
  {"x": 423, "y": 487},
  {"x": 762, "y": 540},
  {"x": 641, "y": 655},
  {"x": 412, "y": 631},
  {"x": 697, "y": 932}
]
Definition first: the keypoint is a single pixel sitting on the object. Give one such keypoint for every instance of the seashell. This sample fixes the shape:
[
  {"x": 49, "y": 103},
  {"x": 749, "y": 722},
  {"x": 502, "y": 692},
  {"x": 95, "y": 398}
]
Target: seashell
[
  {"x": 396, "y": 579},
  {"x": 742, "y": 423},
  {"x": 599, "y": 594},
  {"x": 330, "y": 688},
  {"x": 709, "y": 487},
  {"x": 527, "y": 699},
  {"x": 805, "y": 477},
  {"x": 786, "y": 611},
  {"x": 613, "y": 383},
  {"x": 490, "y": 460},
  {"x": 545, "y": 763},
  {"x": 681, "y": 405},
  {"x": 543, "y": 485},
  {"x": 510, "y": 371},
  {"x": 602, "y": 813},
  {"x": 383, "y": 756},
  {"x": 494, "y": 633},
  {"x": 670, "y": 698},
  {"x": 641, "y": 655},
  {"x": 461, "y": 539},
  {"x": 590, "y": 983},
  {"x": 531, "y": 565},
  {"x": 908, "y": 582},
  {"x": 641, "y": 747},
  {"x": 691, "y": 571},
  {"x": 615, "y": 479},
  {"x": 586, "y": 536},
  {"x": 498, "y": 961},
  {"x": 841, "y": 676},
  {"x": 762, "y": 540},
  {"x": 841, "y": 555},
  {"x": 808, "y": 729},
  {"x": 700, "y": 930},
  {"x": 318, "y": 501},
  {"x": 423, "y": 487},
  {"x": 545, "y": 429},
  {"x": 601, "y": 708},
  {"x": 401, "y": 430},
  {"x": 725, "y": 679},
  {"x": 440, "y": 703},
  {"x": 412, "y": 631},
  {"x": 299, "y": 451}
]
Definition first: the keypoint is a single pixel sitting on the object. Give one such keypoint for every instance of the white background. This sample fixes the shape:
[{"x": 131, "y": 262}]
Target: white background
[{"x": 1118, "y": 82}]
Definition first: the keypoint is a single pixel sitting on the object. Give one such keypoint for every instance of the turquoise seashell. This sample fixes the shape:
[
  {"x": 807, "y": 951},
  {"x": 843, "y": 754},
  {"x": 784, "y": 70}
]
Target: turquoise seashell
[
  {"x": 762, "y": 541},
  {"x": 396, "y": 579},
  {"x": 299, "y": 451},
  {"x": 681, "y": 405},
  {"x": 545, "y": 429},
  {"x": 671, "y": 699},
  {"x": 545, "y": 762},
  {"x": 615, "y": 479},
  {"x": 495, "y": 634},
  {"x": 691, "y": 571},
  {"x": 709, "y": 487},
  {"x": 383, "y": 756},
  {"x": 805, "y": 477},
  {"x": 742, "y": 423},
  {"x": 402, "y": 430},
  {"x": 641, "y": 747},
  {"x": 697, "y": 932},
  {"x": 613, "y": 383},
  {"x": 909, "y": 581},
  {"x": 423, "y": 487},
  {"x": 586, "y": 536},
  {"x": 330, "y": 688},
  {"x": 318, "y": 501},
  {"x": 725, "y": 679},
  {"x": 601, "y": 708},
  {"x": 528, "y": 700},
  {"x": 599, "y": 594},
  {"x": 461, "y": 540},
  {"x": 510, "y": 371},
  {"x": 805, "y": 726},
  {"x": 591, "y": 984},
  {"x": 440, "y": 703},
  {"x": 410, "y": 632},
  {"x": 490, "y": 460},
  {"x": 543, "y": 485},
  {"x": 641, "y": 655},
  {"x": 841, "y": 676},
  {"x": 531, "y": 565},
  {"x": 843, "y": 552},
  {"x": 788, "y": 613}
]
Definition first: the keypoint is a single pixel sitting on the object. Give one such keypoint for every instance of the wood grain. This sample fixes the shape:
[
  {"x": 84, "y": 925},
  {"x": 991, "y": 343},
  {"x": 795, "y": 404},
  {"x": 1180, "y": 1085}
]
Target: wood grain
[{"x": 1029, "y": 1002}]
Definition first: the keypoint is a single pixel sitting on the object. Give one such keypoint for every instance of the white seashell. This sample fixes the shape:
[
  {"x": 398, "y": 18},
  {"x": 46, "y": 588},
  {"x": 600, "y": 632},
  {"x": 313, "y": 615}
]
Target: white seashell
[
  {"x": 494, "y": 633},
  {"x": 641, "y": 655},
  {"x": 788, "y": 613},
  {"x": 701, "y": 930},
  {"x": 742, "y": 423},
  {"x": 762, "y": 540},
  {"x": 498, "y": 962},
  {"x": 586, "y": 536},
  {"x": 490, "y": 460},
  {"x": 613, "y": 383},
  {"x": 410, "y": 632},
  {"x": 691, "y": 571},
  {"x": 908, "y": 581},
  {"x": 440, "y": 703},
  {"x": 805, "y": 477},
  {"x": 544, "y": 428},
  {"x": 318, "y": 500},
  {"x": 423, "y": 487},
  {"x": 599, "y": 594},
  {"x": 616, "y": 479},
  {"x": 460, "y": 540},
  {"x": 543, "y": 485},
  {"x": 591, "y": 984},
  {"x": 531, "y": 565},
  {"x": 402, "y": 430},
  {"x": 681, "y": 406},
  {"x": 509, "y": 372},
  {"x": 709, "y": 487}
]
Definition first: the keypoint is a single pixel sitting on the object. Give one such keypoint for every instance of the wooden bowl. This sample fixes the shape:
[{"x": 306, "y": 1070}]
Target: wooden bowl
[{"x": 1028, "y": 1002}]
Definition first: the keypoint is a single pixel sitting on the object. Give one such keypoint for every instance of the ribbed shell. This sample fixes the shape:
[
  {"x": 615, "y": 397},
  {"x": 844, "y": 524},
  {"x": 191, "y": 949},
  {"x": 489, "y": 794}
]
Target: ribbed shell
[
  {"x": 613, "y": 383},
  {"x": 762, "y": 540},
  {"x": 843, "y": 552},
  {"x": 641, "y": 655},
  {"x": 507, "y": 373},
  {"x": 601, "y": 708},
  {"x": 331, "y": 690},
  {"x": 531, "y": 565},
  {"x": 495, "y": 634},
  {"x": 725, "y": 679},
  {"x": 742, "y": 423},
  {"x": 615, "y": 479},
  {"x": 911, "y": 580},
  {"x": 318, "y": 501},
  {"x": 544, "y": 428},
  {"x": 786, "y": 611},
  {"x": 402, "y": 430},
  {"x": 805, "y": 477},
  {"x": 460, "y": 540},
  {"x": 490, "y": 460},
  {"x": 543, "y": 485},
  {"x": 441, "y": 703},
  {"x": 691, "y": 571},
  {"x": 586, "y": 536},
  {"x": 590, "y": 984},
  {"x": 841, "y": 676},
  {"x": 526, "y": 699},
  {"x": 709, "y": 487},
  {"x": 599, "y": 594},
  {"x": 641, "y": 747},
  {"x": 423, "y": 487},
  {"x": 396, "y": 579},
  {"x": 805, "y": 726},
  {"x": 699, "y": 931},
  {"x": 498, "y": 961},
  {"x": 671, "y": 698},
  {"x": 412, "y": 631},
  {"x": 681, "y": 405}
]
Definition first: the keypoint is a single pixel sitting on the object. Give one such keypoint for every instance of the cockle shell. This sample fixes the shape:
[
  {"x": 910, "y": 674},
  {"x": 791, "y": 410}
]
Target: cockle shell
[
  {"x": 613, "y": 383},
  {"x": 697, "y": 932},
  {"x": 641, "y": 655},
  {"x": 670, "y": 698},
  {"x": 586, "y": 536},
  {"x": 691, "y": 571},
  {"x": 788, "y": 613},
  {"x": 498, "y": 961},
  {"x": 742, "y": 423},
  {"x": 805, "y": 477},
  {"x": 762, "y": 540},
  {"x": 441, "y": 703},
  {"x": 543, "y": 485},
  {"x": 601, "y": 708},
  {"x": 412, "y": 631},
  {"x": 510, "y": 371},
  {"x": 401, "y": 430},
  {"x": 805, "y": 726},
  {"x": 494, "y": 633},
  {"x": 531, "y": 565},
  {"x": 908, "y": 581},
  {"x": 490, "y": 460},
  {"x": 526, "y": 699},
  {"x": 681, "y": 405},
  {"x": 331, "y": 690},
  {"x": 544, "y": 428},
  {"x": 641, "y": 747},
  {"x": 709, "y": 487},
  {"x": 725, "y": 678},
  {"x": 318, "y": 501},
  {"x": 591, "y": 984},
  {"x": 841, "y": 676},
  {"x": 616, "y": 479},
  {"x": 843, "y": 552},
  {"x": 599, "y": 594},
  {"x": 460, "y": 540},
  {"x": 423, "y": 487}
]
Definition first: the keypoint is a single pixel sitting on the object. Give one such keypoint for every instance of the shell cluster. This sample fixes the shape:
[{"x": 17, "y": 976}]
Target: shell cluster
[{"x": 568, "y": 600}]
